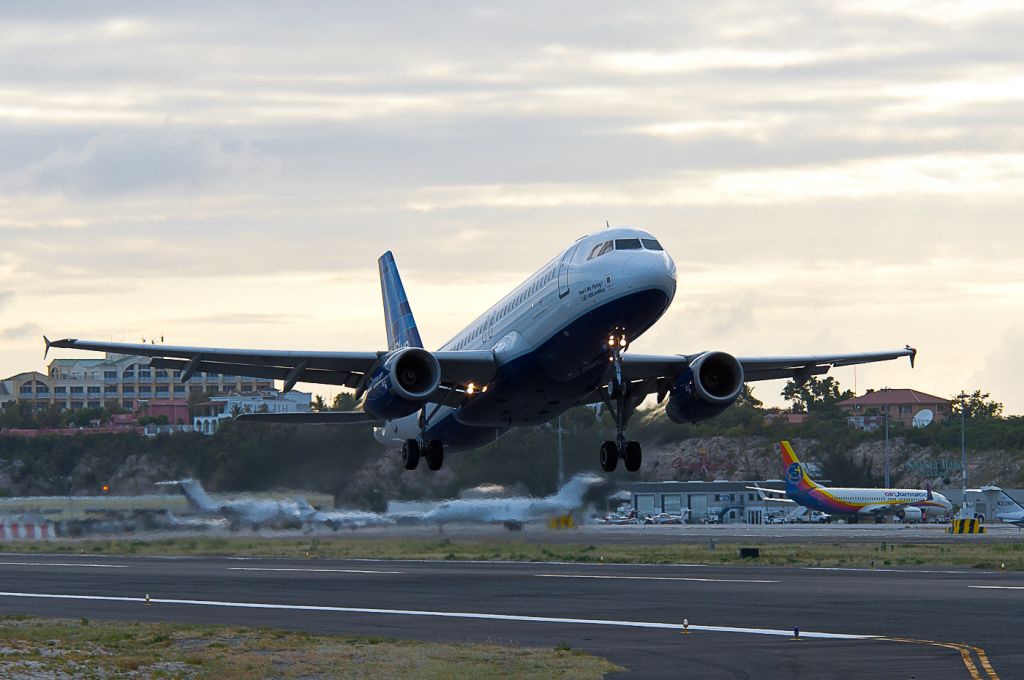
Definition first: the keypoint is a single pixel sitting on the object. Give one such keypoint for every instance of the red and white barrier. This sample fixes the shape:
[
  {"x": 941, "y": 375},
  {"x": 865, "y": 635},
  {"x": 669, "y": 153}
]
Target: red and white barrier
[{"x": 26, "y": 531}]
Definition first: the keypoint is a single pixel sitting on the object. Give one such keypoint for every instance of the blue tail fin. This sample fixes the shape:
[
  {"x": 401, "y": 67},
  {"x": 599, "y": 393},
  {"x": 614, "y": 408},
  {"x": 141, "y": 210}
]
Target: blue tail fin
[{"x": 401, "y": 326}]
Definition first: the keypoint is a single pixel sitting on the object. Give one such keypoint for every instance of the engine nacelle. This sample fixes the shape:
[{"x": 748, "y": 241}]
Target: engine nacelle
[
  {"x": 705, "y": 388},
  {"x": 402, "y": 384},
  {"x": 911, "y": 513}
]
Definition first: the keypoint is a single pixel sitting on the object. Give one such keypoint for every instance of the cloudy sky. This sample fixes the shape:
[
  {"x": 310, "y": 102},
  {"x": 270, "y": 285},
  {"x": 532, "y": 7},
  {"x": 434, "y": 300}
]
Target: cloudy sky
[{"x": 828, "y": 176}]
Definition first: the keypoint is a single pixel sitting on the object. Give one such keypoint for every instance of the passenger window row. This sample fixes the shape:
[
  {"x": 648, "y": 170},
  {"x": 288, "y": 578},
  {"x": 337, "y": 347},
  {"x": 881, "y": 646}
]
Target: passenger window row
[
  {"x": 624, "y": 244},
  {"x": 533, "y": 288}
]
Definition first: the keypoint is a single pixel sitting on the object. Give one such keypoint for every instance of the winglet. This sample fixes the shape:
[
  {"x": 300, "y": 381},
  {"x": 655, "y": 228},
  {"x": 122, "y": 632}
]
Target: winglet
[
  {"x": 913, "y": 355},
  {"x": 47, "y": 350}
]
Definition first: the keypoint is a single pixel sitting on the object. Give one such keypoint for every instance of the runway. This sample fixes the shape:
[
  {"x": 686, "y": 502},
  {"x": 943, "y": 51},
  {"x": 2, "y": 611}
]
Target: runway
[{"x": 741, "y": 617}]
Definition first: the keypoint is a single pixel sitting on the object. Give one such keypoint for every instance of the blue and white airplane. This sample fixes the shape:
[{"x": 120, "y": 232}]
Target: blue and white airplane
[{"x": 558, "y": 340}]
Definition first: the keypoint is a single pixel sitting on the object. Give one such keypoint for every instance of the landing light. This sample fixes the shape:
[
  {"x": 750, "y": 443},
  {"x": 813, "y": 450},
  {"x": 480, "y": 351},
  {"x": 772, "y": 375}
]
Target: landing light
[{"x": 470, "y": 389}]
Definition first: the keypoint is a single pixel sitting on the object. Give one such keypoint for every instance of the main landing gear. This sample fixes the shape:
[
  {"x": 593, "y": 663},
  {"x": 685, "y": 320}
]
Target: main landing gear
[
  {"x": 618, "y": 390},
  {"x": 433, "y": 451}
]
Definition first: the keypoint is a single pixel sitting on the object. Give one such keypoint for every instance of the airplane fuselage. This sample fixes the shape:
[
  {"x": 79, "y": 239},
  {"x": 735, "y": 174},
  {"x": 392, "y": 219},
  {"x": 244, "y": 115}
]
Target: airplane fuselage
[
  {"x": 853, "y": 501},
  {"x": 550, "y": 338}
]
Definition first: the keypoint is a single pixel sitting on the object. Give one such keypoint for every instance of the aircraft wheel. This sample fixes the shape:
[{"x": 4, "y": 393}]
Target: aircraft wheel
[
  {"x": 434, "y": 454},
  {"x": 609, "y": 456},
  {"x": 411, "y": 454},
  {"x": 633, "y": 456}
]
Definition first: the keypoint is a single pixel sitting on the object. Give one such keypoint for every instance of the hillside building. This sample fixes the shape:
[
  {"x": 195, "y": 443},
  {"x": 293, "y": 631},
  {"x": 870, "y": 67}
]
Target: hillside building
[
  {"x": 123, "y": 380},
  {"x": 868, "y": 411}
]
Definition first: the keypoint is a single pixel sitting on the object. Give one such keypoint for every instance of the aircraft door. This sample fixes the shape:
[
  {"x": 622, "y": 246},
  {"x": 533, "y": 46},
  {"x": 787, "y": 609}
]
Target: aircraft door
[{"x": 563, "y": 271}]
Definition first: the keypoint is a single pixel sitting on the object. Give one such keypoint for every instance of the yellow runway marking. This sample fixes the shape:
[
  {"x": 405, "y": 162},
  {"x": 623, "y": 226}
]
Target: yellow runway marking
[{"x": 965, "y": 655}]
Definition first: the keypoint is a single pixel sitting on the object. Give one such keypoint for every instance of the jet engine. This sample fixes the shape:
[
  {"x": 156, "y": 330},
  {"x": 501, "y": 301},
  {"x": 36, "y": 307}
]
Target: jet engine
[
  {"x": 402, "y": 383},
  {"x": 705, "y": 388},
  {"x": 912, "y": 513}
]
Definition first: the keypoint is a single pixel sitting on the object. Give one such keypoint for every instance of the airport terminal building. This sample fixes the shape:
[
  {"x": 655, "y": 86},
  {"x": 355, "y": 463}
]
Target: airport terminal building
[{"x": 720, "y": 501}]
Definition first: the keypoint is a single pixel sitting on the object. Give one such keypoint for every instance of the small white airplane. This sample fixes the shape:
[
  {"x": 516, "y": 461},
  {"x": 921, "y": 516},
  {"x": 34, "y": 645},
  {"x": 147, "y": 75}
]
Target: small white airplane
[
  {"x": 511, "y": 512},
  {"x": 557, "y": 340},
  {"x": 911, "y": 505},
  {"x": 255, "y": 513},
  {"x": 1005, "y": 508},
  {"x": 260, "y": 513},
  {"x": 341, "y": 519}
]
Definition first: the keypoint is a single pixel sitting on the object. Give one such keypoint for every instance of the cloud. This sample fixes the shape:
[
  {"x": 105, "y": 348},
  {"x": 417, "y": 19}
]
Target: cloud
[
  {"x": 6, "y": 297},
  {"x": 23, "y": 330},
  {"x": 145, "y": 161}
]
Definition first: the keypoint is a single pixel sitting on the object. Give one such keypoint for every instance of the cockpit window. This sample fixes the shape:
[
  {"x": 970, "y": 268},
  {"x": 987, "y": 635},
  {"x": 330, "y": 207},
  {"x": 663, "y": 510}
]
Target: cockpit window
[
  {"x": 651, "y": 244},
  {"x": 627, "y": 244},
  {"x": 600, "y": 249}
]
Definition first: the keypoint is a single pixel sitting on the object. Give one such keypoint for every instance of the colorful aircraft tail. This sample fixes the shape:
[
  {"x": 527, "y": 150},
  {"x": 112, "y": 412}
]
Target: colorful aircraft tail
[
  {"x": 401, "y": 326},
  {"x": 797, "y": 479}
]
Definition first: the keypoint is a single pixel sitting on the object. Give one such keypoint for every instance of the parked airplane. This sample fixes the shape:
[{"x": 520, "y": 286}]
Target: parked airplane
[
  {"x": 556, "y": 341},
  {"x": 255, "y": 513},
  {"x": 512, "y": 512},
  {"x": 341, "y": 519},
  {"x": 1003, "y": 507},
  {"x": 908, "y": 504}
]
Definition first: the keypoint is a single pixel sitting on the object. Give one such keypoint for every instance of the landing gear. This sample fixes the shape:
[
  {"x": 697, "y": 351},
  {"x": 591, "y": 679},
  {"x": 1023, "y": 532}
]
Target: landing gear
[
  {"x": 633, "y": 456},
  {"x": 621, "y": 410},
  {"x": 410, "y": 454},
  {"x": 609, "y": 456},
  {"x": 434, "y": 453}
]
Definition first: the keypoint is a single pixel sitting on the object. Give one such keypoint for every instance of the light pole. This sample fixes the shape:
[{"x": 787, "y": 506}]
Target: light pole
[
  {"x": 963, "y": 455},
  {"x": 561, "y": 458},
  {"x": 887, "y": 447}
]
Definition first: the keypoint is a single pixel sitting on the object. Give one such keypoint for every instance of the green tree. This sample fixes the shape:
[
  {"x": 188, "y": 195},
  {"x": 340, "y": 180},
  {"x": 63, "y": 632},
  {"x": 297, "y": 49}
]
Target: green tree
[
  {"x": 747, "y": 398},
  {"x": 319, "y": 404},
  {"x": 977, "y": 405},
  {"x": 814, "y": 393},
  {"x": 18, "y": 414},
  {"x": 345, "y": 401}
]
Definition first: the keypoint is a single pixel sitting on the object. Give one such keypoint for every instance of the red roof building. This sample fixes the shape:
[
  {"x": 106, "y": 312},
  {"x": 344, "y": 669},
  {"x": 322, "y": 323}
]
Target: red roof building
[{"x": 903, "y": 405}]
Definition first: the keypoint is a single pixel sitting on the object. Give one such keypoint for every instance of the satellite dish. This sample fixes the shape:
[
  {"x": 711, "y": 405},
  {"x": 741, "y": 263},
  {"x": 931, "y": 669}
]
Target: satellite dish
[{"x": 923, "y": 418}]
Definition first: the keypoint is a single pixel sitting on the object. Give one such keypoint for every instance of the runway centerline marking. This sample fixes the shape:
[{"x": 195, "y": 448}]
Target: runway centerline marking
[
  {"x": 64, "y": 564},
  {"x": 998, "y": 587},
  {"x": 660, "y": 578},
  {"x": 444, "y": 615},
  {"x": 315, "y": 570}
]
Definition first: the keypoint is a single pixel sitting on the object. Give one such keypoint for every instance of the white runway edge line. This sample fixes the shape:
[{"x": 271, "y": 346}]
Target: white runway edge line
[
  {"x": 444, "y": 615},
  {"x": 317, "y": 570},
  {"x": 64, "y": 564},
  {"x": 659, "y": 578}
]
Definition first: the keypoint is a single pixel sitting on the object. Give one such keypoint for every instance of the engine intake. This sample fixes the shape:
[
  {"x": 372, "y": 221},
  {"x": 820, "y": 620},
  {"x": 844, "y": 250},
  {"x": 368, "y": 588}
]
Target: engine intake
[
  {"x": 402, "y": 383},
  {"x": 705, "y": 388}
]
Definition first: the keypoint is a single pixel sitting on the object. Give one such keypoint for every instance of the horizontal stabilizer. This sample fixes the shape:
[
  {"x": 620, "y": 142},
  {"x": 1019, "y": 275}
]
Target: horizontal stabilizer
[{"x": 313, "y": 418}]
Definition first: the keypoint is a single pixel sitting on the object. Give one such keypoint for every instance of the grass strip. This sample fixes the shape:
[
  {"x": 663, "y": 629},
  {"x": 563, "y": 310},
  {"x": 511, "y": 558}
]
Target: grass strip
[
  {"x": 974, "y": 554},
  {"x": 37, "y": 647}
]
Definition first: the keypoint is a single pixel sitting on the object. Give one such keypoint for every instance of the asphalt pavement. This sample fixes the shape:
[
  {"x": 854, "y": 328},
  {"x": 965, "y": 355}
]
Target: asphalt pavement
[{"x": 854, "y": 623}]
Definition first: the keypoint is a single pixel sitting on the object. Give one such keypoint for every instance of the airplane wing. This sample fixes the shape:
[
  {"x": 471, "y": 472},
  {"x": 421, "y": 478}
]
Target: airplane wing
[
  {"x": 349, "y": 369},
  {"x": 651, "y": 366},
  {"x": 774, "y": 495},
  {"x": 654, "y": 373}
]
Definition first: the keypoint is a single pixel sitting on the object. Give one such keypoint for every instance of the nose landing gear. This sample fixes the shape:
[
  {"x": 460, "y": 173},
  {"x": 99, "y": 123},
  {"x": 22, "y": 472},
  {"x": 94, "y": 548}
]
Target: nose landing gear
[{"x": 618, "y": 390}]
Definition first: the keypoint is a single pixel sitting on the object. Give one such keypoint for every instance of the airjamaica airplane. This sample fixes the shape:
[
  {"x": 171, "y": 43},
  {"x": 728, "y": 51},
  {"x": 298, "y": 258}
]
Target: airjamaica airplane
[{"x": 907, "y": 504}]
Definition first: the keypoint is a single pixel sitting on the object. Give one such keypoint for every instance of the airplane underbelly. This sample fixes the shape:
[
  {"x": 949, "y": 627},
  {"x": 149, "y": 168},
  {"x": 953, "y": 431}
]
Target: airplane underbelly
[{"x": 563, "y": 370}]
